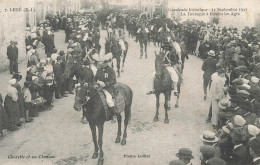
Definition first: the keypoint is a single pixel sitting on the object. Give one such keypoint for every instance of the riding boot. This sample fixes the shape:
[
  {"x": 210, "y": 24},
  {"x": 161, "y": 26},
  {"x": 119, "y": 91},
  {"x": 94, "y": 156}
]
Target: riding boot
[{"x": 174, "y": 84}]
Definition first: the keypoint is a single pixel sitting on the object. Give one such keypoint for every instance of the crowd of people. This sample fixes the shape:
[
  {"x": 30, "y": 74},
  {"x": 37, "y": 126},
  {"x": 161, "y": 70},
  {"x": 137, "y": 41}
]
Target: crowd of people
[{"x": 45, "y": 79}]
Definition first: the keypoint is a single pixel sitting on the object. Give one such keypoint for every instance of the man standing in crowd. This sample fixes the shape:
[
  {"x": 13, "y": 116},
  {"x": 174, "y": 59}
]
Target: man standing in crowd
[
  {"x": 208, "y": 67},
  {"x": 12, "y": 55}
]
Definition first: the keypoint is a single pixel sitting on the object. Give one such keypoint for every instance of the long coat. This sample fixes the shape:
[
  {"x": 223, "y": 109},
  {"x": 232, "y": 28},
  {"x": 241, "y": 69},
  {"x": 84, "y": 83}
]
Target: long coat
[
  {"x": 58, "y": 73},
  {"x": 209, "y": 67},
  {"x": 12, "y": 109},
  {"x": 217, "y": 93},
  {"x": 12, "y": 53}
]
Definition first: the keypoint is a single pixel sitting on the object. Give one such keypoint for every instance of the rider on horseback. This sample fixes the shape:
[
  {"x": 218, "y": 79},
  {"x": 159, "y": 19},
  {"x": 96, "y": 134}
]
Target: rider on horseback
[
  {"x": 106, "y": 79},
  {"x": 171, "y": 63}
]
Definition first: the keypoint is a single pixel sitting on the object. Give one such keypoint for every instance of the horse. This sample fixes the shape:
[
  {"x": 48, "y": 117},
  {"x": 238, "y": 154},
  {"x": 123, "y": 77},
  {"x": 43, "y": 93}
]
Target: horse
[
  {"x": 143, "y": 40},
  {"x": 83, "y": 74},
  {"x": 163, "y": 84},
  {"x": 96, "y": 114},
  {"x": 113, "y": 46}
]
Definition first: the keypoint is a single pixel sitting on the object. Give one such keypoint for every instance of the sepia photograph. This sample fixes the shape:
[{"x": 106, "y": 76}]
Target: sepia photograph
[{"x": 129, "y": 82}]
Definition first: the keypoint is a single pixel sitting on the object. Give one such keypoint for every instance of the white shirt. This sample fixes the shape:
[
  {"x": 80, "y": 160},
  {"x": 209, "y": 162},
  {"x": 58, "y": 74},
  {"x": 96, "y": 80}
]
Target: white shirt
[{"x": 12, "y": 92}]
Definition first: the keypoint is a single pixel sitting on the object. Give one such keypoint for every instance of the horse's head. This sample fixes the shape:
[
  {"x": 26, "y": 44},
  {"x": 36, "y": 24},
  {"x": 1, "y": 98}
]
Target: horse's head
[
  {"x": 81, "y": 91},
  {"x": 159, "y": 64},
  {"x": 72, "y": 65}
]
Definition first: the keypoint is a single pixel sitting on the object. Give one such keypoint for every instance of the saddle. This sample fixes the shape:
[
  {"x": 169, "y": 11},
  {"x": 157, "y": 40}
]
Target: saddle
[{"x": 118, "y": 100}]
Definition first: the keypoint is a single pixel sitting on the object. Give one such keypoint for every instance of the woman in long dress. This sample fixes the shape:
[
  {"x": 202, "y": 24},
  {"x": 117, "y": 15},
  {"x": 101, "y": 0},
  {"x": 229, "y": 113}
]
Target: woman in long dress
[{"x": 11, "y": 106}]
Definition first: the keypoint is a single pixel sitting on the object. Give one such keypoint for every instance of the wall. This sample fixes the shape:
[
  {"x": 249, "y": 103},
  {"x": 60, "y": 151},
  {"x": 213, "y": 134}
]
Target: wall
[{"x": 12, "y": 26}]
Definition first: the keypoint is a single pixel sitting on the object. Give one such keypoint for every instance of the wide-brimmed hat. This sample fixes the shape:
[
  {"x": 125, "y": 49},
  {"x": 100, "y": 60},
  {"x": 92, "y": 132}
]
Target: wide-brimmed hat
[
  {"x": 238, "y": 121},
  {"x": 238, "y": 134},
  {"x": 238, "y": 81},
  {"x": 185, "y": 153},
  {"x": 243, "y": 94},
  {"x": 211, "y": 53},
  {"x": 209, "y": 137},
  {"x": 224, "y": 103},
  {"x": 242, "y": 68}
]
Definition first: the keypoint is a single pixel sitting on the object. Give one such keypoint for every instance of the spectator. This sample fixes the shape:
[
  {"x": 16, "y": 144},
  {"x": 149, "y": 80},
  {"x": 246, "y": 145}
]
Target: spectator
[
  {"x": 27, "y": 98},
  {"x": 11, "y": 106},
  {"x": 12, "y": 55}
]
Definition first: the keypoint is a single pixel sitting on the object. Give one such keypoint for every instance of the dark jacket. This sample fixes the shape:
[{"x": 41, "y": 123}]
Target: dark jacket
[
  {"x": 239, "y": 156},
  {"x": 58, "y": 73},
  {"x": 108, "y": 76},
  {"x": 209, "y": 67},
  {"x": 12, "y": 52}
]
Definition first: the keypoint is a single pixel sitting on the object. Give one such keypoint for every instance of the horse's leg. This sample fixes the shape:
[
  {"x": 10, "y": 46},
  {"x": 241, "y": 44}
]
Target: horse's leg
[
  {"x": 169, "y": 101},
  {"x": 123, "y": 61},
  {"x": 119, "y": 121},
  {"x": 145, "y": 49},
  {"x": 100, "y": 143},
  {"x": 127, "y": 118},
  {"x": 118, "y": 65},
  {"x": 141, "y": 50},
  {"x": 179, "y": 90},
  {"x": 112, "y": 65},
  {"x": 155, "y": 119},
  {"x": 166, "y": 99},
  {"x": 94, "y": 136}
]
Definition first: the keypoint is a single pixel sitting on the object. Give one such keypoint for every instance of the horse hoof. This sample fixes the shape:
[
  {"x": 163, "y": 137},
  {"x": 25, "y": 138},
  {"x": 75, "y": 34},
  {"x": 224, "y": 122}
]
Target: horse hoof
[
  {"x": 122, "y": 70},
  {"x": 118, "y": 76},
  {"x": 155, "y": 119},
  {"x": 166, "y": 121},
  {"x": 123, "y": 142},
  {"x": 176, "y": 106},
  {"x": 117, "y": 140},
  {"x": 95, "y": 155},
  {"x": 100, "y": 161}
]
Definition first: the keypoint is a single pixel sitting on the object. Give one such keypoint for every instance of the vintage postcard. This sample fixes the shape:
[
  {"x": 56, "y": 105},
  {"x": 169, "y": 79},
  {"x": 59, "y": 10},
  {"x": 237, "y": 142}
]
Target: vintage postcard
[{"x": 129, "y": 82}]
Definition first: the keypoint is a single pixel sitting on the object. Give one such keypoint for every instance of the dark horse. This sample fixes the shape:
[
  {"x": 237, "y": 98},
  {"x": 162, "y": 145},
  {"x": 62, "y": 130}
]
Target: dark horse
[
  {"x": 113, "y": 46},
  {"x": 83, "y": 74},
  {"x": 96, "y": 114},
  {"x": 163, "y": 84}
]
